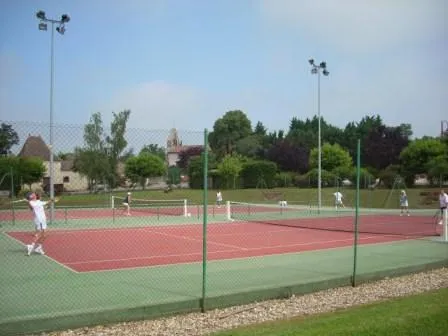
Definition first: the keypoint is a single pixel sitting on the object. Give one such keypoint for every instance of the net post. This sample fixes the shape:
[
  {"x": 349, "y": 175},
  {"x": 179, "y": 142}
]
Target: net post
[
  {"x": 445, "y": 225},
  {"x": 185, "y": 208},
  {"x": 112, "y": 202},
  {"x": 355, "y": 243},
  {"x": 228, "y": 212}
]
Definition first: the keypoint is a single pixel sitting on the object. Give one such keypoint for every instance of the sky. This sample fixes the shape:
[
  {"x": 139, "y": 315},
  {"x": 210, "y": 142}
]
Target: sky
[{"x": 184, "y": 63}]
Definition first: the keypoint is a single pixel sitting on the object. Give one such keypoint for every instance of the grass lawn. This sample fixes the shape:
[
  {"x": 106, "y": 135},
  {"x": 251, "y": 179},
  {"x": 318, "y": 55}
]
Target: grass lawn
[
  {"x": 424, "y": 314},
  {"x": 380, "y": 198}
]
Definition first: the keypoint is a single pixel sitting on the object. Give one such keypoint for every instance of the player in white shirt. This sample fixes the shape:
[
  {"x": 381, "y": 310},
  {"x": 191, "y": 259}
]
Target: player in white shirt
[
  {"x": 443, "y": 199},
  {"x": 338, "y": 200},
  {"x": 40, "y": 222},
  {"x": 404, "y": 204},
  {"x": 219, "y": 198}
]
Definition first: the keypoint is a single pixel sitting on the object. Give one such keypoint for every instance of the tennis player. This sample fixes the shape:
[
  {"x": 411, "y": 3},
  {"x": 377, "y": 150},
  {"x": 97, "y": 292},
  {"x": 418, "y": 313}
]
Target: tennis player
[
  {"x": 219, "y": 198},
  {"x": 443, "y": 199},
  {"x": 338, "y": 200},
  {"x": 40, "y": 222},
  {"x": 404, "y": 204},
  {"x": 127, "y": 204}
]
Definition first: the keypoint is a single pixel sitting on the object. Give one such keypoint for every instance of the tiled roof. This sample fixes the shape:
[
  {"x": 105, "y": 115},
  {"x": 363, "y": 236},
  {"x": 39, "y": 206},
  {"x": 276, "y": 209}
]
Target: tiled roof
[{"x": 35, "y": 146}]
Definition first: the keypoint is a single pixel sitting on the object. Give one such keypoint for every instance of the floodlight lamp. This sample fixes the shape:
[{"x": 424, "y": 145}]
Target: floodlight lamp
[
  {"x": 323, "y": 65},
  {"x": 311, "y": 61},
  {"x": 42, "y": 26},
  {"x": 65, "y": 18},
  {"x": 40, "y": 15},
  {"x": 314, "y": 71},
  {"x": 60, "y": 29},
  {"x": 325, "y": 72}
]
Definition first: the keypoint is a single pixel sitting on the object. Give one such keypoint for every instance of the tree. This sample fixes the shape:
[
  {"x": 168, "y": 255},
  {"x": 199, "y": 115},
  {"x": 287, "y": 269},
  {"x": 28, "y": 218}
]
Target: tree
[
  {"x": 94, "y": 165},
  {"x": 382, "y": 146},
  {"x": 187, "y": 154},
  {"x": 354, "y": 131},
  {"x": 260, "y": 130},
  {"x": 250, "y": 146},
  {"x": 233, "y": 126},
  {"x": 289, "y": 156},
  {"x": 437, "y": 168},
  {"x": 8, "y": 138},
  {"x": 98, "y": 158},
  {"x": 333, "y": 156},
  {"x": 416, "y": 156},
  {"x": 116, "y": 140},
  {"x": 31, "y": 170},
  {"x": 154, "y": 149},
  {"x": 24, "y": 170},
  {"x": 94, "y": 133},
  {"x": 139, "y": 168},
  {"x": 230, "y": 168}
]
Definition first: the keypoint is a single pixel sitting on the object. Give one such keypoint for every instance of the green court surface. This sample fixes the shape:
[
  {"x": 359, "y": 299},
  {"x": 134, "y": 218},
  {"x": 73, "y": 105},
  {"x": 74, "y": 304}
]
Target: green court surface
[{"x": 40, "y": 294}]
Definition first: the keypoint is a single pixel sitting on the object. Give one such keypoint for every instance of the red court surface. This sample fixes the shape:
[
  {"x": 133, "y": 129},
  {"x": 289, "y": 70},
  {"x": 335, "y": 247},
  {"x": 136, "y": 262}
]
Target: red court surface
[{"x": 111, "y": 249}]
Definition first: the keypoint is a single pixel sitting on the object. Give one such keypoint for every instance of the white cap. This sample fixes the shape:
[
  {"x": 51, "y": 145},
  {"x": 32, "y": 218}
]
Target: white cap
[{"x": 129, "y": 193}]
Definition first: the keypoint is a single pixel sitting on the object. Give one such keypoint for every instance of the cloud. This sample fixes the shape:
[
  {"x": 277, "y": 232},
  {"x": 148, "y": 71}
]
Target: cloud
[{"x": 358, "y": 25}]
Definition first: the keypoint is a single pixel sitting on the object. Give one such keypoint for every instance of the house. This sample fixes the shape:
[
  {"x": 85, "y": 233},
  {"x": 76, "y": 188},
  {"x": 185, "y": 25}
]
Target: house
[{"x": 65, "y": 179}]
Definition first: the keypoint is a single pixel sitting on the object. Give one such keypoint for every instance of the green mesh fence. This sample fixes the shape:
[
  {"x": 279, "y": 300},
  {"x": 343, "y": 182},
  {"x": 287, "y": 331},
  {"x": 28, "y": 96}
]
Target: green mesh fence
[{"x": 179, "y": 247}]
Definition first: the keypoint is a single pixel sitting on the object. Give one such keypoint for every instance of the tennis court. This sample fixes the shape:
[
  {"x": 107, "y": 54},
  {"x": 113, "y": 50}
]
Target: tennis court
[{"x": 102, "y": 266}]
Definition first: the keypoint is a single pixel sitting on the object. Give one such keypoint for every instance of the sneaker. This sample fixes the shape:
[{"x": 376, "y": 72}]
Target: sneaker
[
  {"x": 29, "y": 249},
  {"x": 39, "y": 250}
]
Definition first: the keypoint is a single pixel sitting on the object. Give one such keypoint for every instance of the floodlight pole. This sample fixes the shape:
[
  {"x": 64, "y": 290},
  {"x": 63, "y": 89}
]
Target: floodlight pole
[
  {"x": 316, "y": 70},
  {"x": 61, "y": 29}
]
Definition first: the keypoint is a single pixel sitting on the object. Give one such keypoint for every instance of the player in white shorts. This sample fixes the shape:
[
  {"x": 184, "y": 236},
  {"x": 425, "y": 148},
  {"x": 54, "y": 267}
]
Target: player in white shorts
[
  {"x": 404, "y": 204},
  {"x": 338, "y": 200},
  {"x": 443, "y": 199},
  {"x": 40, "y": 222}
]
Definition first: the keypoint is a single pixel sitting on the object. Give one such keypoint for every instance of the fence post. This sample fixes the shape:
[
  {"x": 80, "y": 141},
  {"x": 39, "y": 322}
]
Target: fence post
[
  {"x": 204, "y": 220},
  {"x": 13, "y": 198},
  {"x": 355, "y": 247}
]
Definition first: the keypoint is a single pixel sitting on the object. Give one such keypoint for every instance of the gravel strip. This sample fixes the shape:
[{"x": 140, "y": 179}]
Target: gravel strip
[{"x": 197, "y": 324}]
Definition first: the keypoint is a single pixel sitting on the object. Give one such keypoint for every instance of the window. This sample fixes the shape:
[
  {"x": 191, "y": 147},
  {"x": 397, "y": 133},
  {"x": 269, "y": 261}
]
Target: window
[{"x": 66, "y": 179}]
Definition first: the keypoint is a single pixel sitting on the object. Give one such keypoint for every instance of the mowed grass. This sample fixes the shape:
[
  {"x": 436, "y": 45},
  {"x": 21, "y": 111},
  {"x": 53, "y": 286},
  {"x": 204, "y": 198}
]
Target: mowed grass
[
  {"x": 379, "y": 198},
  {"x": 424, "y": 314}
]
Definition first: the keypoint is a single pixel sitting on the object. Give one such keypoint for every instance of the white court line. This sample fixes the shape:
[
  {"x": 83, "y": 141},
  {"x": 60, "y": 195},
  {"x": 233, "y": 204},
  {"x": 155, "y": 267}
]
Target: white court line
[
  {"x": 145, "y": 258},
  {"x": 200, "y": 240}
]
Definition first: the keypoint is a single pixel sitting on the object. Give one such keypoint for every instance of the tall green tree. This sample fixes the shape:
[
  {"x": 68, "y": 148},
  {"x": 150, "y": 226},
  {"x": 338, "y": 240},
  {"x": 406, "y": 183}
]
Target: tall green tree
[
  {"x": 116, "y": 140},
  {"x": 233, "y": 126},
  {"x": 98, "y": 158},
  {"x": 230, "y": 168},
  {"x": 333, "y": 156},
  {"x": 154, "y": 149},
  {"x": 25, "y": 171},
  {"x": 416, "y": 156},
  {"x": 140, "y": 168},
  {"x": 8, "y": 138}
]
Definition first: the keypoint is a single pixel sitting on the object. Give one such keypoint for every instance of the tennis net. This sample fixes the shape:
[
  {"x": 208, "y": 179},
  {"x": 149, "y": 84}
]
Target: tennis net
[
  {"x": 420, "y": 223},
  {"x": 175, "y": 207}
]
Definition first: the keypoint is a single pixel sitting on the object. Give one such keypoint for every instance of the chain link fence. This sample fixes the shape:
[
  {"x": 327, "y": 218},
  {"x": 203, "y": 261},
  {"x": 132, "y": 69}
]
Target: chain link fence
[{"x": 175, "y": 248}]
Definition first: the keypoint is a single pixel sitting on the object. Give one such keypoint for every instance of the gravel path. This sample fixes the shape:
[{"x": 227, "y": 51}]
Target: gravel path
[{"x": 197, "y": 324}]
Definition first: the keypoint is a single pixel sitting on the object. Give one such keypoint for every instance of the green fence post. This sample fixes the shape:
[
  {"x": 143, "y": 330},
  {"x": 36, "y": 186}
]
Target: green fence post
[
  {"x": 12, "y": 197},
  {"x": 355, "y": 247},
  {"x": 204, "y": 220}
]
